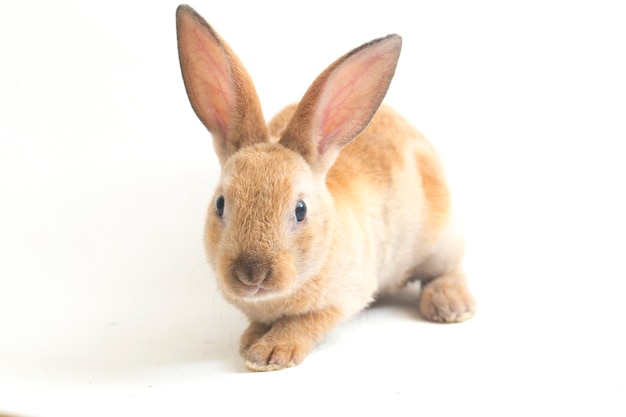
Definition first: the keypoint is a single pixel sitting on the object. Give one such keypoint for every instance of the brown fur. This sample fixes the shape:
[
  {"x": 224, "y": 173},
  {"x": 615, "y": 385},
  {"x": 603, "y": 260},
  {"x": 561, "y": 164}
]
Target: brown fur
[
  {"x": 436, "y": 194},
  {"x": 378, "y": 209}
]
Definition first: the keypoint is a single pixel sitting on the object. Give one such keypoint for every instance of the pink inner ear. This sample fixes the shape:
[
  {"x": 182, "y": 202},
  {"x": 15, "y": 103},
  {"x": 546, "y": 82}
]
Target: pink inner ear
[
  {"x": 350, "y": 99},
  {"x": 330, "y": 115},
  {"x": 210, "y": 85}
]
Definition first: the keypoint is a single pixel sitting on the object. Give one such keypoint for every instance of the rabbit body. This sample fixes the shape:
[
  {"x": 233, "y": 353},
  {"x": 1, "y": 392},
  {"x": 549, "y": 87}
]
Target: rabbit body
[{"x": 336, "y": 201}]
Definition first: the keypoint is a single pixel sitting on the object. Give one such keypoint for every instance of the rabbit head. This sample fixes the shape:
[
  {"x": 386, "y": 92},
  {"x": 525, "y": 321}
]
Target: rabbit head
[{"x": 270, "y": 223}]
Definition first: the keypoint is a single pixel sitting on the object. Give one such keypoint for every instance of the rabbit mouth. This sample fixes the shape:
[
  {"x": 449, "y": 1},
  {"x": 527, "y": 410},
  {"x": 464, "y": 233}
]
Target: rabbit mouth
[{"x": 253, "y": 290}]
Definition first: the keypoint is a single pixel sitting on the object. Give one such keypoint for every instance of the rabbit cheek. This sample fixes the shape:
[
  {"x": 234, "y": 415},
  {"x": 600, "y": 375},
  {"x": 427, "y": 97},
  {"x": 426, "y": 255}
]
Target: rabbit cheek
[
  {"x": 212, "y": 237},
  {"x": 284, "y": 274},
  {"x": 310, "y": 248}
]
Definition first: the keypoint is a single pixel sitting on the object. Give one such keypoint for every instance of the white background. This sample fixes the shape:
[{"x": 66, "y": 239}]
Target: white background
[{"x": 107, "y": 306}]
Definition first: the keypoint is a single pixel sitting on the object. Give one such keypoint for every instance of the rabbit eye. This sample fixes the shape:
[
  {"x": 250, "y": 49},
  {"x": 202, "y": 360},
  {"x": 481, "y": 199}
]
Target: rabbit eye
[
  {"x": 219, "y": 205},
  {"x": 300, "y": 211}
]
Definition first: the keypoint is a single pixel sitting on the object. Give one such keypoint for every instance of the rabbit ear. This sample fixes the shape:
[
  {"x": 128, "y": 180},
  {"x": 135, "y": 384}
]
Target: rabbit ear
[
  {"x": 342, "y": 101},
  {"x": 219, "y": 88}
]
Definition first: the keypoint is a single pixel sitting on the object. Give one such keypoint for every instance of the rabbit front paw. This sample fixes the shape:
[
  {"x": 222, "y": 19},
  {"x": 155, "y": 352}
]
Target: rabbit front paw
[
  {"x": 287, "y": 341},
  {"x": 266, "y": 356}
]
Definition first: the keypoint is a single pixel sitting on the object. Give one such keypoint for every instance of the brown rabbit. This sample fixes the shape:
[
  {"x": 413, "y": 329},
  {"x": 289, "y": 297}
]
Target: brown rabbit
[{"x": 334, "y": 203}]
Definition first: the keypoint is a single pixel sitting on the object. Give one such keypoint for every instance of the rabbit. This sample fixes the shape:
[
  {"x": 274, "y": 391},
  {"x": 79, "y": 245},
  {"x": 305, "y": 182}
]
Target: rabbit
[{"x": 335, "y": 202}]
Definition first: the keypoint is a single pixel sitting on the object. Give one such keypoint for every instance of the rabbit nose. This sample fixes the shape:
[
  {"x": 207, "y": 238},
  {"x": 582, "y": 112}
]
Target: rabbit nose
[{"x": 251, "y": 270}]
